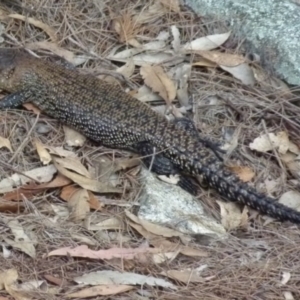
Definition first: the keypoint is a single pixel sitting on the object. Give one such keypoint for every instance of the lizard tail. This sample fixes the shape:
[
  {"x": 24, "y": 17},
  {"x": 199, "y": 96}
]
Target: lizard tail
[{"x": 233, "y": 189}]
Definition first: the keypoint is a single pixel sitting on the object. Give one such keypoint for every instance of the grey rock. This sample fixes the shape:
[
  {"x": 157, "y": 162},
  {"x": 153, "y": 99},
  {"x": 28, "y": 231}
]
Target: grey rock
[
  {"x": 169, "y": 205},
  {"x": 270, "y": 27}
]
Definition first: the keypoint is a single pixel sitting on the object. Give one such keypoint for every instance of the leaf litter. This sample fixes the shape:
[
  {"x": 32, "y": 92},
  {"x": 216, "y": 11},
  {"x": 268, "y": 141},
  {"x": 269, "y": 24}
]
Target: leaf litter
[{"x": 185, "y": 68}]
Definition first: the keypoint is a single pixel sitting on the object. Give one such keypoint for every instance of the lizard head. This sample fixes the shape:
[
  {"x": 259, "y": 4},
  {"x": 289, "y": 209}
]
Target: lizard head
[{"x": 9, "y": 68}]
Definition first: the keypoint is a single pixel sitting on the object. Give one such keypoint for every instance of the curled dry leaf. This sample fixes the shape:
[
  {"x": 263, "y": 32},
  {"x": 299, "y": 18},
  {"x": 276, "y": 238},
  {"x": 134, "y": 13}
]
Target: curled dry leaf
[
  {"x": 158, "y": 80},
  {"x": 267, "y": 142},
  {"x": 128, "y": 69},
  {"x": 44, "y": 155},
  {"x": 73, "y": 138},
  {"x": 5, "y": 143},
  {"x": 232, "y": 217},
  {"x": 207, "y": 42},
  {"x": 231, "y": 63},
  {"x": 242, "y": 72}
]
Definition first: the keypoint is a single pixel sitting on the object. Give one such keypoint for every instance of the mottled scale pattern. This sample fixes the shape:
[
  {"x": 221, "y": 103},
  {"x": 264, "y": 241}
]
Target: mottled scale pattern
[{"x": 105, "y": 113}]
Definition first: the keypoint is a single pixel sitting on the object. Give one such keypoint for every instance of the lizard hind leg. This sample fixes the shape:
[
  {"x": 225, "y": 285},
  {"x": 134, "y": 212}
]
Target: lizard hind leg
[
  {"x": 161, "y": 165},
  {"x": 189, "y": 127}
]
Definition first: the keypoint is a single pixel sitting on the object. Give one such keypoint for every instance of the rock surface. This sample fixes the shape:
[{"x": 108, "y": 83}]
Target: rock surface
[{"x": 270, "y": 27}]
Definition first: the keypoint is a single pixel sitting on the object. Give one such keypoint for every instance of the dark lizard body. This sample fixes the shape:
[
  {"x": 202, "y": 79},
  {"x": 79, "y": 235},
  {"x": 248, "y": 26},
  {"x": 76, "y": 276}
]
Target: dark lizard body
[{"x": 106, "y": 114}]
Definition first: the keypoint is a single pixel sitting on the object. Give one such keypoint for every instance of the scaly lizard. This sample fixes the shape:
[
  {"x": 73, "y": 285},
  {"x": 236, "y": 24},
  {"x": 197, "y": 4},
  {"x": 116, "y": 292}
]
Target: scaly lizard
[{"x": 106, "y": 114}]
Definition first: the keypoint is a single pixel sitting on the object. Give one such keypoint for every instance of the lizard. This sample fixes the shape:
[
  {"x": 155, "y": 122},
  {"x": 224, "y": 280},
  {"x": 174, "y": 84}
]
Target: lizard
[{"x": 106, "y": 114}]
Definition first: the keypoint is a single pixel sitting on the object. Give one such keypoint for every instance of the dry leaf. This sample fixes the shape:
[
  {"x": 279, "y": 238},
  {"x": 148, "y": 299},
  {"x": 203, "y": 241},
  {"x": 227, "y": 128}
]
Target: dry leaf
[
  {"x": 84, "y": 251},
  {"x": 86, "y": 183},
  {"x": 224, "y": 59},
  {"x": 51, "y": 32},
  {"x": 42, "y": 174},
  {"x": 8, "y": 280},
  {"x": 244, "y": 173},
  {"x": 21, "y": 241},
  {"x": 267, "y": 142},
  {"x": 242, "y": 72},
  {"x": 292, "y": 162},
  {"x": 68, "y": 191},
  {"x": 108, "y": 224},
  {"x": 5, "y": 143},
  {"x": 74, "y": 164},
  {"x": 32, "y": 107},
  {"x": 207, "y": 42},
  {"x": 185, "y": 276},
  {"x": 79, "y": 204},
  {"x": 286, "y": 276},
  {"x": 73, "y": 138},
  {"x": 103, "y": 290},
  {"x": 232, "y": 217},
  {"x": 128, "y": 69},
  {"x": 44, "y": 155},
  {"x": 8, "y": 206},
  {"x": 115, "y": 277},
  {"x": 157, "y": 79},
  {"x": 69, "y": 56}
]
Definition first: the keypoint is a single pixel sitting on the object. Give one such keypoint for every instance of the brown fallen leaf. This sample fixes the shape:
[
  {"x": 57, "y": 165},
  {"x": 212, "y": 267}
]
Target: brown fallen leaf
[
  {"x": 102, "y": 290},
  {"x": 73, "y": 138},
  {"x": 51, "y": 32},
  {"x": 68, "y": 191},
  {"x": 79, "y": 204},
  {"x": 8, "y": 206},
  {"x": 158, "y": 80},
  {"x": 127, "y": 69},
  {"x": 84, "y": 251},
  {"x": 244, "y": 173},
  {"x": 55, "y": 280},
  {"x": 31, "y": 107}
]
